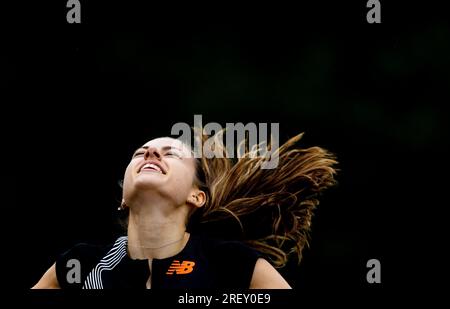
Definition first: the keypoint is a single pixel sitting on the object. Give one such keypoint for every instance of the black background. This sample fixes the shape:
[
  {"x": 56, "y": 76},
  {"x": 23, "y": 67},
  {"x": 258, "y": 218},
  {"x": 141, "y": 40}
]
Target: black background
[{"x": 84, "y": 96}]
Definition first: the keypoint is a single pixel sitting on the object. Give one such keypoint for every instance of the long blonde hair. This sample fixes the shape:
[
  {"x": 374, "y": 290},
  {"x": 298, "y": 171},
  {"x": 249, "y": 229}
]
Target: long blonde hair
[{"x": 272, "y": 207}]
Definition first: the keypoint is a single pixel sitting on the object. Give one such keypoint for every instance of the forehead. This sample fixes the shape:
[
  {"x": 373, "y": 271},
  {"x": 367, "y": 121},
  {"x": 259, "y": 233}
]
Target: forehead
[{"x": 163, "y": 142}]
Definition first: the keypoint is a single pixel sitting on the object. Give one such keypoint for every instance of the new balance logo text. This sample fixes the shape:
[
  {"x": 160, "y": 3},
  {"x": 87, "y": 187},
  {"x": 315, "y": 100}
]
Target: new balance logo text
[{"x": 180, "y": 268}]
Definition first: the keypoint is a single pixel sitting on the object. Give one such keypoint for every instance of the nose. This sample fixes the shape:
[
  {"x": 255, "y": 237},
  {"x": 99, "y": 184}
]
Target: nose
[{"x": 152, "y": 153}]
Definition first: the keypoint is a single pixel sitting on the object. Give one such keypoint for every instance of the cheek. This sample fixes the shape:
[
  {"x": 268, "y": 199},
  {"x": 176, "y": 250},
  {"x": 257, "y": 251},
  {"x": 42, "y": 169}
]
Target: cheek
[
  {"x": 183, "y": 183},
  {"x": 184, "y": 178},
  {"x": 127, "y": 178}
]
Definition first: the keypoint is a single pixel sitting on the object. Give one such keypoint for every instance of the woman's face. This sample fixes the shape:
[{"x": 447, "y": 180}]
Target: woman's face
[{"x": 163, "y": 166}]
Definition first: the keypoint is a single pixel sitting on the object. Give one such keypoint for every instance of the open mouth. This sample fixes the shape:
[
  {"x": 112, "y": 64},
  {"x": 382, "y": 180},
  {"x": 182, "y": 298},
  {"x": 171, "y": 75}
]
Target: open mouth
[{"x": 150, "y": 167}]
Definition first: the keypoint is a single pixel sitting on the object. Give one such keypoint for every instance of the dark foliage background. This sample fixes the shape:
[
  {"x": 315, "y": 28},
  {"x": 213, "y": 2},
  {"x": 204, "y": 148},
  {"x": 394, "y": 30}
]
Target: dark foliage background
[{"x": 84, "y": 96}]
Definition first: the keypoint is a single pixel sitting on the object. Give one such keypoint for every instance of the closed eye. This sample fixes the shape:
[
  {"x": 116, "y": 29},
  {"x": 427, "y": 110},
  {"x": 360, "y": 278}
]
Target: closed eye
[
  {"x": 172, "y": 153},
  {"x": 138, "y": 154}
]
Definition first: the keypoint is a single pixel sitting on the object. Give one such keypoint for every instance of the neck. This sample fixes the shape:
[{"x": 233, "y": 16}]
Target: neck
[{"x": 156, "y": 229}]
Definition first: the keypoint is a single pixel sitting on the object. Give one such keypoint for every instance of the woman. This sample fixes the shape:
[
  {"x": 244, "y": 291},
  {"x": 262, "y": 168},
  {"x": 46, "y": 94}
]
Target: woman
[{"x": 241, "y": 217}]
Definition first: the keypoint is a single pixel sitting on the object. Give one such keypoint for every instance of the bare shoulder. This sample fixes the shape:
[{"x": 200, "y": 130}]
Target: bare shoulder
[
  {"x": 265, "y": 276},
  {"x": 48, "y": 280}
]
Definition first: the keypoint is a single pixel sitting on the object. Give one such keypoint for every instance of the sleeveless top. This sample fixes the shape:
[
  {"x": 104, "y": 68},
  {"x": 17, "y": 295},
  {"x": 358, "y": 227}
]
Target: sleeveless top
[{"x": 203, "y": 263}]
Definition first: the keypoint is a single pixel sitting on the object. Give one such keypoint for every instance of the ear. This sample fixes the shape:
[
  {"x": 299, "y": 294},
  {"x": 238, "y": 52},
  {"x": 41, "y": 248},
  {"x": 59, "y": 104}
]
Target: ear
[
  {"x": 123, "y": 205},
  {"x": 197, "y": 198}
]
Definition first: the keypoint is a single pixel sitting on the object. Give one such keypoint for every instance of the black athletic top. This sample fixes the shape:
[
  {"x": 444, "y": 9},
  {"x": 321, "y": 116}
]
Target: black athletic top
[{"x": 203, "y": 263}]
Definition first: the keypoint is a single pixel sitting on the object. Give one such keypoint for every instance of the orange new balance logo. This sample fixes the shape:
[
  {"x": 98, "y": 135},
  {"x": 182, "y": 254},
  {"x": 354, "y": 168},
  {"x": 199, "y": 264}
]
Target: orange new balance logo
[{"x": 180, "y": 268}]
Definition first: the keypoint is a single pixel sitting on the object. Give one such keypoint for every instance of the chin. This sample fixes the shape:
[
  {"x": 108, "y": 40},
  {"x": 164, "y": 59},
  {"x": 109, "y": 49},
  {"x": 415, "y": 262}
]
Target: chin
[{"x": 149, "y": 180}]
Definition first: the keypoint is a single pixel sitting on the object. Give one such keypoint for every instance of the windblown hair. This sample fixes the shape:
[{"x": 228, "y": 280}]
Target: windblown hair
[{"x": 269, "y": 209}]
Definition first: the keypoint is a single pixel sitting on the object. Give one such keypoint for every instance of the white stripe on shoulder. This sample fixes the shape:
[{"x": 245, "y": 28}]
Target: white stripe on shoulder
[{"x": 111, "y": 260}]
